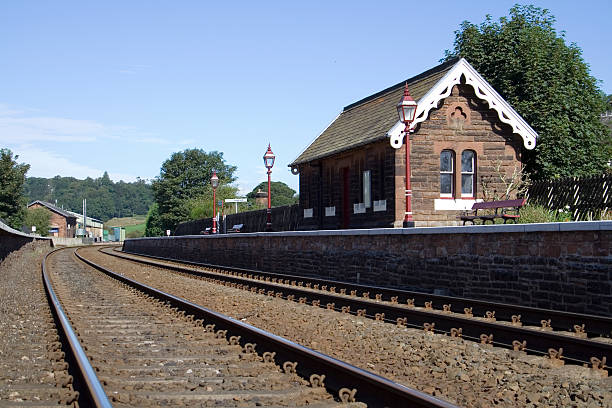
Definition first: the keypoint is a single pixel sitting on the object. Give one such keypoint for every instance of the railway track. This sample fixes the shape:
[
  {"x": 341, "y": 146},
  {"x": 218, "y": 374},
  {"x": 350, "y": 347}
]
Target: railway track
[
  {"x": 33, "y": 369},
  {"x": 575, "y": 338},
  {"x": 150, "y": 348}
]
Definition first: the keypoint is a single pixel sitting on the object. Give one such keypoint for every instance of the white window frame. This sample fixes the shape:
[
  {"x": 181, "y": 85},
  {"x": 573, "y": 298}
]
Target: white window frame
[
  {"x": 451, "y": 172},
  {"x": 471, "y": 173},
  {"x": 367, "y": 188}
]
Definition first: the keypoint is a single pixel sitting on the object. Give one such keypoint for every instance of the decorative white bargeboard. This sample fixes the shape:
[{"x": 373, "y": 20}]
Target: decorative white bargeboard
[{"x": 483, "y": 90}]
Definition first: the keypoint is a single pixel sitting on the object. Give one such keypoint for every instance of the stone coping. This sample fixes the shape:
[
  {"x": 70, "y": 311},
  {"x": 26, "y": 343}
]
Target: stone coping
[
  {"x": 19, "y": 233},
  {"x": 468, "y": 229}
]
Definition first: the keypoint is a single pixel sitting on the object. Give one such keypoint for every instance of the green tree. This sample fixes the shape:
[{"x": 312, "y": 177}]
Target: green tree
[
  {"x": 153, "y": 227},
  {"x": 12, "y": 199},
  {"x": 202, "y": 206},
  {"x": 105, "y": 199},
  {"x": 549, "y": 85},
  {"x": 280, "y": 193},
  {"x": 184, "y": 177},
  {"x": 40, "y": 218}
]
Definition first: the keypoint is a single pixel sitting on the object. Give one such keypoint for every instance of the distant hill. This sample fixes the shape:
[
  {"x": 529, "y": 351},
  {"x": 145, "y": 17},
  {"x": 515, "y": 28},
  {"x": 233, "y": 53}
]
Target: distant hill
[{"x": 105, "y": 198}]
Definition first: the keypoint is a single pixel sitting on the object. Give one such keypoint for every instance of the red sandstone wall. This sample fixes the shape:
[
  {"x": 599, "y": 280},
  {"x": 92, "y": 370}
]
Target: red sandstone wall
[{"x": 463, "y": 122}]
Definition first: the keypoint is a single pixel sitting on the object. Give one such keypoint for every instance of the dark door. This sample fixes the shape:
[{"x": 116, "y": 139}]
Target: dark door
[{"x": 346, "y": 202}]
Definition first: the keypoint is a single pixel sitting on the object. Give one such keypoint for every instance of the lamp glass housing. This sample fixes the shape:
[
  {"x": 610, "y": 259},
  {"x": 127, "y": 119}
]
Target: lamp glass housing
[
  {"x": 406, "y": 111},
  {"x": 406, "y": 108},
  {"x": 214, "y": 180},
  {"x": 268, "y": 158}
]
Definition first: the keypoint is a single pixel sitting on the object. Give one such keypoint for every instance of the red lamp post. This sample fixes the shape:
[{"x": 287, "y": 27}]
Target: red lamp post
[
  {"x": 406, "y": 108},
  {"x": 214, "y": 182},
  {"x": 268, "y": 159}
]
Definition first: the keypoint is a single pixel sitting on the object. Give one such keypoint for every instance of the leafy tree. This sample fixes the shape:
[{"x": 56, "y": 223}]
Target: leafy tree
[
  {"x": 105, "y": 199},
  {"x": 40, "y": 218},
  {"x": 547, "y": 82},
  {"x": 281, "y": 194},
  {"x": 12, "y": 200},
  {"x": 202, "y": 206},
  {"x": 153, "y": 226},
  {"x": 184, "y": 177}
]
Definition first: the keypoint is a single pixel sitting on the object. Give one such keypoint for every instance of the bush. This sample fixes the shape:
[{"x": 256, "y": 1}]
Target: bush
[{"x": 531, "y": 214}]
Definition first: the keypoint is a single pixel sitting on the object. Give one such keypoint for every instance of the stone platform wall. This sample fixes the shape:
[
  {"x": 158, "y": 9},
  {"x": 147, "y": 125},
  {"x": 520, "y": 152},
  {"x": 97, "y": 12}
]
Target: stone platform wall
[
  {"x": 11, "y": 240},
  {"x": 565, "y": 266}
]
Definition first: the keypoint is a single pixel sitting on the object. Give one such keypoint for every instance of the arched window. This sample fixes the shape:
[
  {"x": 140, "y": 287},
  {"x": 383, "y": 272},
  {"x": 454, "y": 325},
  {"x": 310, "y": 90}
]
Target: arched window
[
  {"x": 447, "y": 173},
  {"x": 468, "y": 173}
]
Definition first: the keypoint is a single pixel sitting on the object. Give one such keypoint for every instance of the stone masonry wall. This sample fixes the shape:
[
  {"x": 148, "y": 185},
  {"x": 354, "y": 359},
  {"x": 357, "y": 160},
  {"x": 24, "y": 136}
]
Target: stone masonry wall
[
  {"x": 462, "y": 122},
  {"x": 565, "y": 266},
  {"x": 11, "y": 240}
]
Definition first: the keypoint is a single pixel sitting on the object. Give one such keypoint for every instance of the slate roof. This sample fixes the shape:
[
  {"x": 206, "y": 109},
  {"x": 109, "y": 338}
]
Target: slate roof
[
  {"x": 53, "y": 208},
  {"x": 369, "y": 119},
  {"x": 77, "y": 215}
]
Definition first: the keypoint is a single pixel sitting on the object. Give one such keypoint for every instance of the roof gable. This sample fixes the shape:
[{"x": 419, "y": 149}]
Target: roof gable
[
  {"x": 482, "y": 89},
  {"x": 375, "y": 117},
  {"x": 368, "y": 119},
  {"x": 53, "y": 208}
]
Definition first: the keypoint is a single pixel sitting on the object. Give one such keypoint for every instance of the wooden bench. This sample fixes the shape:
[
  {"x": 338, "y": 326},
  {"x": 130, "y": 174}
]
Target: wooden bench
[
  {"x": 236, "y": 228},
  {"x": 500, "y": 207}
]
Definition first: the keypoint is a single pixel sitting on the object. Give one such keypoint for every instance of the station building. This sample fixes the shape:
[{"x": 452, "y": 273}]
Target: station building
[
  {"x": 62, "y": 223},
  {"x": 466, "y": 138},
  {"x": 66, "y": 224}
]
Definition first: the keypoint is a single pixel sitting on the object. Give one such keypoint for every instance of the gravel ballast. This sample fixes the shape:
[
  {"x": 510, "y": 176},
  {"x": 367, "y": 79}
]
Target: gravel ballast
[
  {"x": 459, "y": 371},
  {"x": 32, "y": 370}
]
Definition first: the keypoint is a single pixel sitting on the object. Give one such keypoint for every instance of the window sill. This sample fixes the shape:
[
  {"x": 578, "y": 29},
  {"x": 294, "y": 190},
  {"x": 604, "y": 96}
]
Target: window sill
[{"x": 445, "y": 204}]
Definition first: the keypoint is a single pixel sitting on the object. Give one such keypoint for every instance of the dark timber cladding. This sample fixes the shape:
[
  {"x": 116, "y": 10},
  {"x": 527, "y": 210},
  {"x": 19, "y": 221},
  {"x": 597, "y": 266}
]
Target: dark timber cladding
[{"x": 561, "y": 266}]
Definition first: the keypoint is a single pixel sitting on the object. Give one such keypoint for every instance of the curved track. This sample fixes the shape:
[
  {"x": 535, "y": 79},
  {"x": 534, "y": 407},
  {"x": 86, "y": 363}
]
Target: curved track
[
  {"x": 149, "y": 348},
  {"x": 519, "y": 332},
  {"x": 33, "y": 364}
]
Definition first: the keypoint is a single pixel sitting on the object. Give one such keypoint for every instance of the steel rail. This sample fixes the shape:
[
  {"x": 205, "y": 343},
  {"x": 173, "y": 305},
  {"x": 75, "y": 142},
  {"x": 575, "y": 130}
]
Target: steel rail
[
  {"x": 91, "y": 392},
  {"x": 595, "y": 325},
  {"x": 575, "y": 349},
  {"x": 372, "y": 389}
]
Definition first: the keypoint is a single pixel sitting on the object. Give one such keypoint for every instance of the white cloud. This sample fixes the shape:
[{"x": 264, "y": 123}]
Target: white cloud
[
  {"x": 49, "y": 164},
  {"x": 131, "y": 69},
  {"x": 31, "y": 129},
  {"x": 21, "y": 126}
]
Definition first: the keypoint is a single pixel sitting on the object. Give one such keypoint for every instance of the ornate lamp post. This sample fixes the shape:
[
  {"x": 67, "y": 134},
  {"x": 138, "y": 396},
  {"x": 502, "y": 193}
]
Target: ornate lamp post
[
  {"x": 214, "y": 182},
  {"x": 406, "y": 108},
  {"x": 268, "y": 159}
]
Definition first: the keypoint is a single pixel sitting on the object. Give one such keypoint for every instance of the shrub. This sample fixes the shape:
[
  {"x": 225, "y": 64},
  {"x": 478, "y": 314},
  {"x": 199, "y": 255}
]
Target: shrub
[{"x": 536, "y": 214}]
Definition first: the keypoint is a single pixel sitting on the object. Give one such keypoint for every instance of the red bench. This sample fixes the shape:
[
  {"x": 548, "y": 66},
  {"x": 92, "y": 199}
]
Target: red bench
[{"x": 501, "y": 208}]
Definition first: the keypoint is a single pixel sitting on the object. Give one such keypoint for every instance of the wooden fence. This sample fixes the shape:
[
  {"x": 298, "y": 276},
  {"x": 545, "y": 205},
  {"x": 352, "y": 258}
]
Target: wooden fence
[
  {"x": 286, "y": 218},
  {"x": 585, "y": 198}
]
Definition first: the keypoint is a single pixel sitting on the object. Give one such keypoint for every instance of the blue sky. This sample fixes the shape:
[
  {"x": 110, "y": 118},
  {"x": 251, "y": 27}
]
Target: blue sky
[{"x": 118, "y": 86}]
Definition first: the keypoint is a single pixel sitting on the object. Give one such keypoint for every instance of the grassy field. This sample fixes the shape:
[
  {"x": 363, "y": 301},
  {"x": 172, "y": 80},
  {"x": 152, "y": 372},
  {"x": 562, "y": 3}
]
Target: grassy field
[
  {"x": 134, "y": 226},
  {"x": 125, "y": 221}
]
